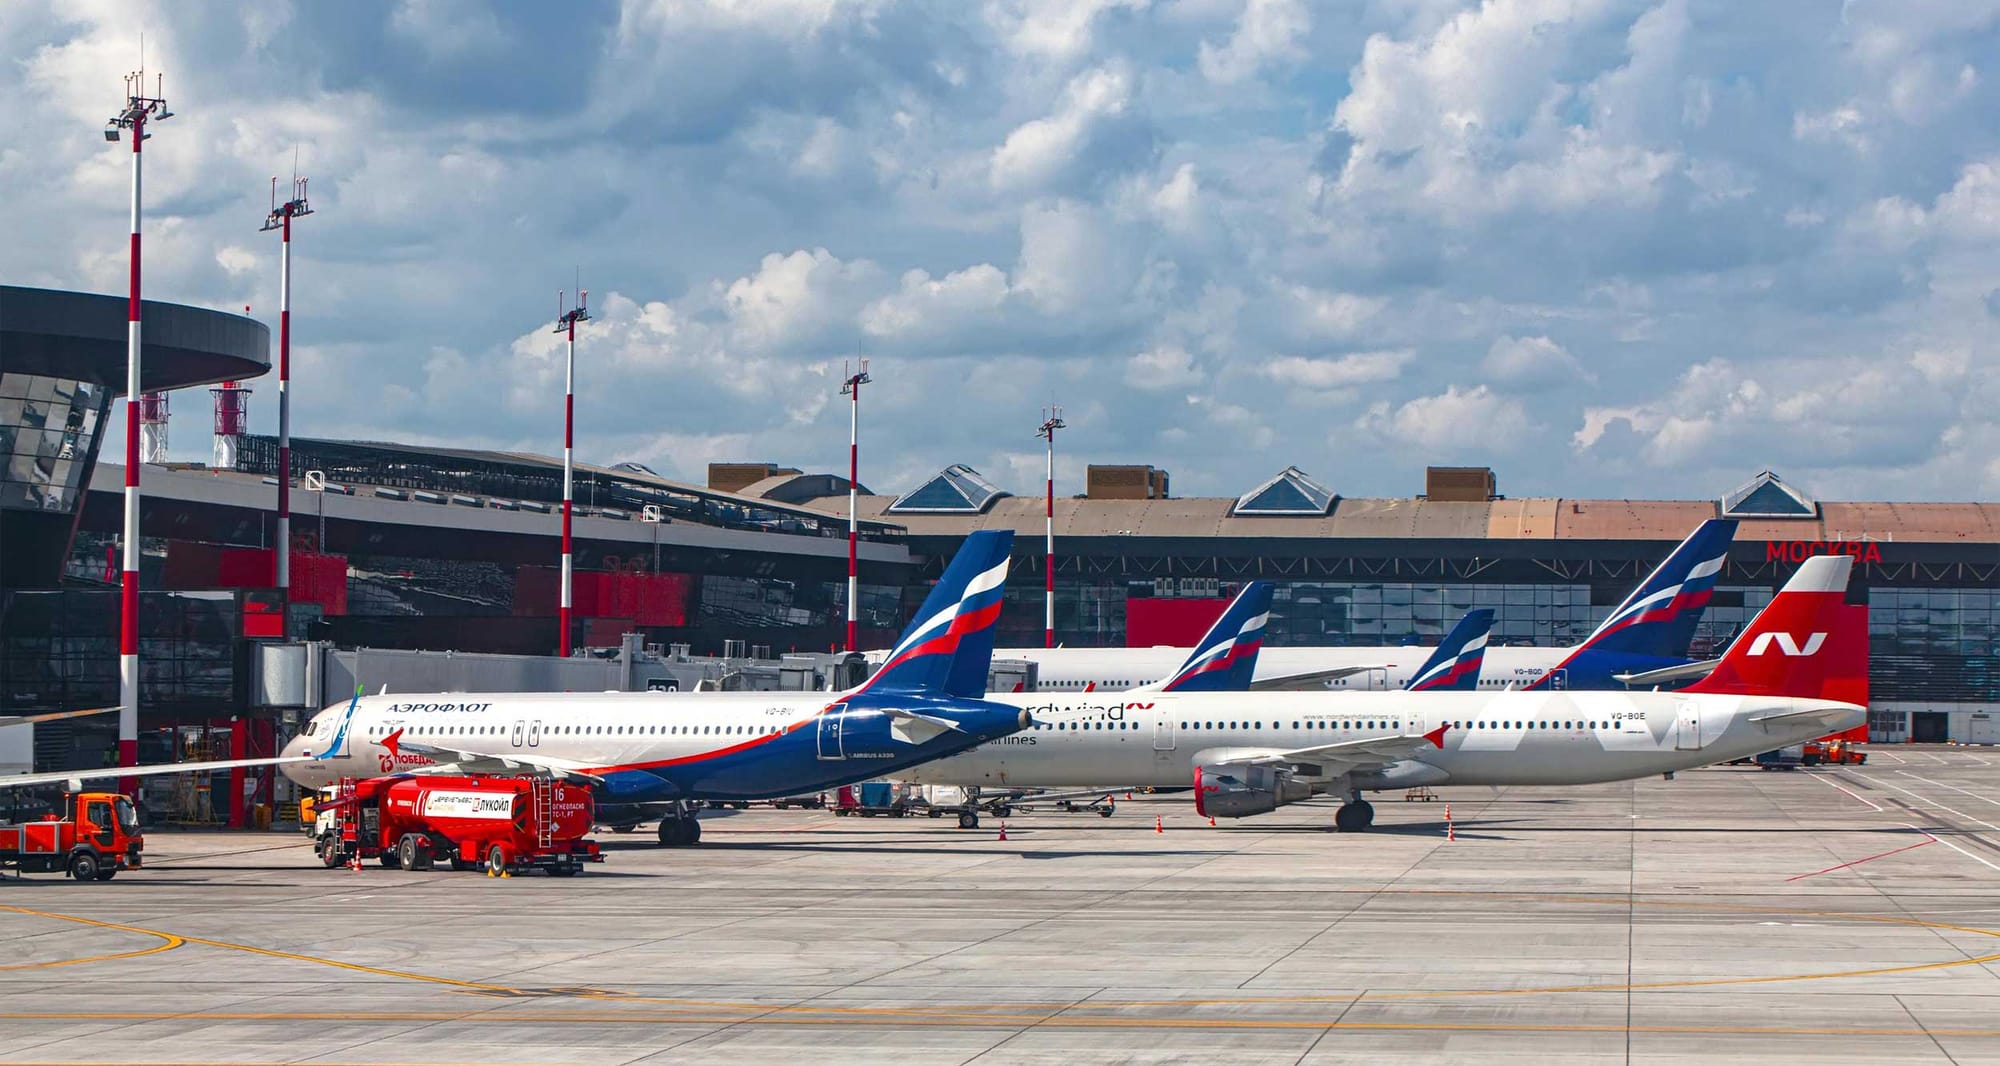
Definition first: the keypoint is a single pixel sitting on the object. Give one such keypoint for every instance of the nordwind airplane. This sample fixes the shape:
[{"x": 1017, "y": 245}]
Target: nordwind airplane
[
  {"x": 652, "y": 753},
  {"x": 1795, "y": 673},
  {"x": 1643, "y": 642}
]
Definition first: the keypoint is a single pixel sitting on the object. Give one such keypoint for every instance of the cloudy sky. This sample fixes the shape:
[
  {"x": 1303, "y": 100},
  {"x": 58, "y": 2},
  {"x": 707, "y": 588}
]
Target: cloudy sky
[{"x": 1623, "y": 248}]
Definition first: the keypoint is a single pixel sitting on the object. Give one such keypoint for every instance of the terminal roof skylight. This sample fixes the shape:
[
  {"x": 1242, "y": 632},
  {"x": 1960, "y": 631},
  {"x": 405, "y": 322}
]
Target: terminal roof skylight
[
  {"x": 957, "y": 489},
  {"x": 1290, "y": 493},
  {"x": 1767, "y": 496}
]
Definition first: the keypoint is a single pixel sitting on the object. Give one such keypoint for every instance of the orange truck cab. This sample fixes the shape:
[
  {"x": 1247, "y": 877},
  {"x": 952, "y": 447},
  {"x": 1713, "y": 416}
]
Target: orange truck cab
[{"x": 95, "y": 836}]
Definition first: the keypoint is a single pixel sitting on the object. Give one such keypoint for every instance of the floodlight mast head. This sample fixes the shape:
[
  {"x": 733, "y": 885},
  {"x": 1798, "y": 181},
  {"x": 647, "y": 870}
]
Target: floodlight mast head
[
  {"x": 850, "y": 382},
  {"x": 1052, "y": 420},
  {"x": 296, "y": 207},
  {"x": 139, "y": 108},
  {"x": 566, "y": 316}
]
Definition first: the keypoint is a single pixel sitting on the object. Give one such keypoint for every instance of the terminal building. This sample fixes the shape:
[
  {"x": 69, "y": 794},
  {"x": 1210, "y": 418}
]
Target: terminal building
[{"x": 405, "y": 547}]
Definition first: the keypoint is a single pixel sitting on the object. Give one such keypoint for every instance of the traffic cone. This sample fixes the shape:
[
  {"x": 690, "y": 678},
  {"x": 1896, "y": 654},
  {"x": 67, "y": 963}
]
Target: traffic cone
[
  {"x": 1159, "y": 823},
  {"x": 1003, "y": 830},
  {"x": 490, "y": 873},
  {"x": 354, "y": 862},
  {"x": 1128, "y": 795},
  {"x": 1211, "y": 820}
]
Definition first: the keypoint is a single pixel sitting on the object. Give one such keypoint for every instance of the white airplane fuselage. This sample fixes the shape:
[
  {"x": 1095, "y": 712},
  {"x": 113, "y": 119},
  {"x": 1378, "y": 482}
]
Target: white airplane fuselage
[
  {"x": 1382, "y": 669},
  {"x": 1493, "y": 738},
  {"x": 645, "y": 746}
]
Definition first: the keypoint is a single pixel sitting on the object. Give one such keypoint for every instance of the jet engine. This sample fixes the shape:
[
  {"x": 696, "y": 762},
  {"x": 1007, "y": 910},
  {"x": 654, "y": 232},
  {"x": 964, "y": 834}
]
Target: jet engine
[{"x": 1239, "y": 791}]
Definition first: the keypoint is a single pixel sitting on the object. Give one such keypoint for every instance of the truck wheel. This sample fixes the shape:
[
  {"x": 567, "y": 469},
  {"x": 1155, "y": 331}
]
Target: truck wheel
[
  {"x": 329, "y": 852},
  {"x": 968, "y": 820},
  {"x": 84, "y": 866},
  {"x": 496, "y": 860},
  {"x": 1106, "y": 811},
  {"x": 410, "y": 852}
]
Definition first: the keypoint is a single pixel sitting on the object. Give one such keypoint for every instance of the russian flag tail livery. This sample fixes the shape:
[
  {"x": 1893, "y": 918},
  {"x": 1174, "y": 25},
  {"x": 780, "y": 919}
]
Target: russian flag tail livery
[
  {"x": 1227, "y": 654},
  {"x": 1808, "y": 643},
  {"x": 1454, "y": 666},
  {"x": 1658, "y": 618},
  {"x": 948, "y": 648}
]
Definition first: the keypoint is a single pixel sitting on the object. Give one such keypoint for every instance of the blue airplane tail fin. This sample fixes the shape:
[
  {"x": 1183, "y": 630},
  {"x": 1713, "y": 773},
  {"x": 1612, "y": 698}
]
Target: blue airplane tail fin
[
  {"x": 948, "y": 648},
  {"x": 1659, "y": 617},
  {"x": 1226, "y": 657},
  {"x": 1454, "y": 666}
]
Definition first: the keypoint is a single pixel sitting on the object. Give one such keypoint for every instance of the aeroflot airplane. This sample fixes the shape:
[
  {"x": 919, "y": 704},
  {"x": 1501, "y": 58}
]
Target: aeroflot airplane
[
  {"x": 1785, "y": 680},
  {"x": 648, "y": 751},
  {"x": 1642, "y": 643}
]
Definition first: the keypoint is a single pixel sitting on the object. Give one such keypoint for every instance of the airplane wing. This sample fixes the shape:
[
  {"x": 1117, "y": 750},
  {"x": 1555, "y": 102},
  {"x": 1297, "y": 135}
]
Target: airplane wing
[
  {"x": 1347, "y": 754},
  {"x": 52, "y": 716},
  {"x": 1312, "y": 679},
  {"x": 73, "y": 779},
  {"x": 460, "y": 760}
]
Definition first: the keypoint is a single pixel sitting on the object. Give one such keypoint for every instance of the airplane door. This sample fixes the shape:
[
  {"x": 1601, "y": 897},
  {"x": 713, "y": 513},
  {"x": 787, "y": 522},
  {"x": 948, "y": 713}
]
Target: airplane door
[
  {"x": 1559, "y": 679},
  {"x": 830, "y": 724},
  {"x": 535, "y": 733},
  {"x": 1687, "y": 731},
  {"x": 519, "y": 729},
  {"x": 1163, "y": 734}
]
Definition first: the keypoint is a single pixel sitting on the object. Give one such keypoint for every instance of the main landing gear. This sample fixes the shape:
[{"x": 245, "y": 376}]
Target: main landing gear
[
  {"x": 1354, "y": 816},
  {"x": 678, "y": 827}
]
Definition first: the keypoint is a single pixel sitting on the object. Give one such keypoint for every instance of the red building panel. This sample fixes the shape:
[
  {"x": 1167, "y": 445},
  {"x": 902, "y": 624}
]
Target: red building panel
[{"x": 1169, "y": 621}]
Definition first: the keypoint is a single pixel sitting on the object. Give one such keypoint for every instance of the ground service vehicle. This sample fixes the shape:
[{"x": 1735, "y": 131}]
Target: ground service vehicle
[
  {"x": 94, "y": 836},
  {"x": 871, "y": 798},
  {"x": 1836, "y": 751},
  {"x": 503, "y": 823}
]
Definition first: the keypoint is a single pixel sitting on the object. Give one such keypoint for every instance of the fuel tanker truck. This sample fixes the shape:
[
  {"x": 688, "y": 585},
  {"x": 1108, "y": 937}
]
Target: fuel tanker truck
[{"x": 503, "y": 823}]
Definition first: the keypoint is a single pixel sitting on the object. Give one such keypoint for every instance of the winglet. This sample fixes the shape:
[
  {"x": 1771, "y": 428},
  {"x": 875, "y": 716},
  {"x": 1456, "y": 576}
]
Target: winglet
[
  {"x": 1436, "y": 736},
  {"x": 1454, "y": 666},
  {"x": 1226, "y": 656},
  {"x": 339, "y": 745}
]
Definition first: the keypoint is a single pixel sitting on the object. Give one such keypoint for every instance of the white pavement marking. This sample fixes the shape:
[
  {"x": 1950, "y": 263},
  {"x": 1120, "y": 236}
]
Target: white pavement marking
[
  {"x": 1889, "y": 755},
  {"x": 1953, "y": 846},
  {"x": 1933, "y": 756},
  {"x": 1857, "y": 797},
  {"x": 1954, "y": 788},
  {"x": 1932, "y": 802}
]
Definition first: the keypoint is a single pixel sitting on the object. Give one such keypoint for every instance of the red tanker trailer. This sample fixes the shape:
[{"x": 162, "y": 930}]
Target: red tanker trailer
[{"x": 505, "y": 823}]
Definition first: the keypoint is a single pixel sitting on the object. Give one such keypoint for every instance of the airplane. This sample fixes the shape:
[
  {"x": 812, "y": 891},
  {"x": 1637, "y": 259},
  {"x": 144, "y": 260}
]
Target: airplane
[
  {"x": 1643, "y": 642},
  {"x": 646, "y": 753},
  {"x": 1234, "y": 640},
  {"x": 1784, "y": 680}
]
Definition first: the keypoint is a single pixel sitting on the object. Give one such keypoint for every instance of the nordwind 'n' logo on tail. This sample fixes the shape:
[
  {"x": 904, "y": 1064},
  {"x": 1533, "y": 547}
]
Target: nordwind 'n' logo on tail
[
  {"x": 948, "y": 649},
  {"x": 1456, "y": 662},
  {"x": 1226, "y": 657},
  {"x": 1785, "y": 644}
]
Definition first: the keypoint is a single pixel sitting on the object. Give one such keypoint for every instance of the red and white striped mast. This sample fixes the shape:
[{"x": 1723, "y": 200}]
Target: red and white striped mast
[
  {"x": 280, "y": 219},
  {"x": 139, "y": 111},
  {"x": 1051, "y": 421},
  {"x": 566, "y": 320},
  {"x": 851, "y": 388}
]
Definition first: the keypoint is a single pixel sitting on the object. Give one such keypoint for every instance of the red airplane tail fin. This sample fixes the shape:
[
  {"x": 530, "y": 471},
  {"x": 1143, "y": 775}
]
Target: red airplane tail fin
[{"x": 1807, "y": 643}]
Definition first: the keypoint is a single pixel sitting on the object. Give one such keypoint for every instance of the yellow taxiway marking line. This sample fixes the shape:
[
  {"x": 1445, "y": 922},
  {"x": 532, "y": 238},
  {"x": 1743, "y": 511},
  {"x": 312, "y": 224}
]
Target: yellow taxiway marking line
[
  {"x": 1059, "y": 1021},
  {"x": 1033, "y": 1011},
  {"x": 168, "y": 942},
  {"x": 177, "y": 940}
]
